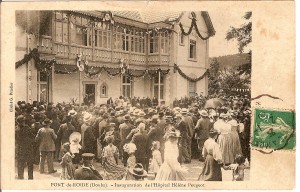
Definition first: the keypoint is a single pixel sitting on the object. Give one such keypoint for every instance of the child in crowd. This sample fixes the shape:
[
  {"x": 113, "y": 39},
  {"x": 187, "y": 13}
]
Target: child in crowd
[
  {"x": 238, "y": 168},
  {"x": 68, "y": 169},
  {"x": 130, "y": 149},
  {"x": 156, "y": 157},
  {"x": 110, "y": 156},
  {"x": 75, "y": 148}
]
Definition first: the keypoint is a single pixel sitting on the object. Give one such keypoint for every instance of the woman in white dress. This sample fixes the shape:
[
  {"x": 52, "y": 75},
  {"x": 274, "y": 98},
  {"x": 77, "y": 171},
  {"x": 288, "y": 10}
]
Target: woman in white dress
[{"x": 171, "y": 170}]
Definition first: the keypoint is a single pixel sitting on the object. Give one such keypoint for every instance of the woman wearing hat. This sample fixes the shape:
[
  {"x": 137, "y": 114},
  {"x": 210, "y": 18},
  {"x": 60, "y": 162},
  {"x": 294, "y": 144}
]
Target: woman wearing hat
[
  {"x": 224, "y": 138},
  {"x": 171, "y": 170},
  {"x": 234, "y": 135},
  {"x": 213, "y": 159}
]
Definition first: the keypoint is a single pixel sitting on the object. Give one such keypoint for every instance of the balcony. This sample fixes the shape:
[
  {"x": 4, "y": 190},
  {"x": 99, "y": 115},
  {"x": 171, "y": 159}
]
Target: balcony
[{"x": 97, "y": 54}]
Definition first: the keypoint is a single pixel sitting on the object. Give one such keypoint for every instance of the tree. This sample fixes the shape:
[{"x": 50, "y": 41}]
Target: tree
[
  {"x": 243, "y": 34},
  {"x": 213, "y": 77}
]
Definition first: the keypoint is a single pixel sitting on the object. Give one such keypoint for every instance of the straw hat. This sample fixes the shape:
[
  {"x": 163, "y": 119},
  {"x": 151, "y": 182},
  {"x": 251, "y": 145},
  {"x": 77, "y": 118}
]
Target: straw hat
[
  {"x": 72, "y": 112},
  {"x": 75, "y": 137},
  {"x": 88, "y": 156},
  {"x": 203, "y": 113},
  {"x": 138, "y": 170},
  {"x": 184, "y": 111},
  {"x": 87, "y": 117},
  {"x": 224, "y": 115}
]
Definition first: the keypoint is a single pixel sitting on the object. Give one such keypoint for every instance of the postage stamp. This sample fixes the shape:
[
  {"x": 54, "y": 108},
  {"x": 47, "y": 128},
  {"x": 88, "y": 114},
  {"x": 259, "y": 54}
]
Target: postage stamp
[{"x": 274, "y": 129}]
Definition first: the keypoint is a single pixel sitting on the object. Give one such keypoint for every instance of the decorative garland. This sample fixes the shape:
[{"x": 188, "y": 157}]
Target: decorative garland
[
  {"x": 40, "y": 64},
  {"x": 176, "y": 67},
  {"x": 44, "y": 65},
  {"x": 193, "y": 24}
]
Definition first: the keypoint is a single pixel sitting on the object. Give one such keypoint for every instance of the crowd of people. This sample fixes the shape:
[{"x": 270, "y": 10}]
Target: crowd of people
[{"x": 130, "y": 138}]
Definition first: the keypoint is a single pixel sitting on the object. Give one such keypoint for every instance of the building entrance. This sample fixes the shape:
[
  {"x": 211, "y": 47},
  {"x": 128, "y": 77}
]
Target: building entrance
[{"x": 90, "y": 90}]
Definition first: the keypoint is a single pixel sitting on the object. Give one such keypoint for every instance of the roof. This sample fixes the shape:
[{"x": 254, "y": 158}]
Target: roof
[
  {"x": 147, "y": 16},
  {"x": 150, "y": 16}
]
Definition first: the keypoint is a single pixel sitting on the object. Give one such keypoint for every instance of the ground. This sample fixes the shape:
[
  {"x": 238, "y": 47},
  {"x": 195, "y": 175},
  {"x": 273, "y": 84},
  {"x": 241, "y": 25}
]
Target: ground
[{"x": 194, "y": 169}]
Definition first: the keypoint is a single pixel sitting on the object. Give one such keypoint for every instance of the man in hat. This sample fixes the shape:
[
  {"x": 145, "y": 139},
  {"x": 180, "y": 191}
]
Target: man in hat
[
  {"x": 183, "y": 148},
  {"x": 65, "y": 130},
  {"x": 161, "y": 125},
  {"x": 46, "y": 138},
  {"x": 153, "y": 132},
  {"x": 125, "y": 129},
  {"x": 140, "y": 139},
  {"x": 88, "y": 137},
  {"x": 190, "y": 131},
  {"x": 87, "y": 171},
  {"x": 138, "y": 172},
  {"x": 114, "y": 119},
  {"x": 202, "y": 130},
  {"x": 25, "y": 143}
]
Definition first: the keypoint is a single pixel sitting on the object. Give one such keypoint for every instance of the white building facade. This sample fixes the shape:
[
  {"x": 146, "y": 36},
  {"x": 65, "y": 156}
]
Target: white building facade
[{"x": 130, "y": 54}]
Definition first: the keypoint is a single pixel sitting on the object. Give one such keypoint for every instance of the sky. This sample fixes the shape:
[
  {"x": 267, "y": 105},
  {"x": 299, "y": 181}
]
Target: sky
[{"x": 222, "y": 20}]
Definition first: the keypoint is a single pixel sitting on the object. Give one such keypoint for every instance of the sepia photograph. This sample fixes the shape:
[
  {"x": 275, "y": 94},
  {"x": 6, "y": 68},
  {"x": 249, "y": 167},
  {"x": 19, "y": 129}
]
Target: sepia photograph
[{"x": 133, "y": 95}]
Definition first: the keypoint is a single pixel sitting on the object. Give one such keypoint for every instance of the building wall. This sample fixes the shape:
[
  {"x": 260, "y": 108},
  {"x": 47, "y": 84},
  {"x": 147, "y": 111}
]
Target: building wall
[
  {"x": 178, "y": 84},
  {"x": 65, "y": 87},
  {"x": 25, "y": 75},
  {"x": 201, "y": 47}
]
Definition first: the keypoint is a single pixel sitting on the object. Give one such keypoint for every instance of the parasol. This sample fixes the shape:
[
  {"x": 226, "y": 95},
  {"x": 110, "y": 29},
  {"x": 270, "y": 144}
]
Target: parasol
[{"x": 213, "y": 103}]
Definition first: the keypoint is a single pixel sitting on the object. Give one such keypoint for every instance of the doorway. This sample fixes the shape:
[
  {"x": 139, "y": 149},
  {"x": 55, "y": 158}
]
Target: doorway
[{"x": 90, "y": 91}]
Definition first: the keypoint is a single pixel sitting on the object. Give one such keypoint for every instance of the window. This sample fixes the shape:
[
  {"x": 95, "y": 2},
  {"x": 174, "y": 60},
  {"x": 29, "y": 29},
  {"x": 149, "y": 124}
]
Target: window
[
  {"x": 61, "y": 27},
  {"x": 121, "y": 39},
  {"x": 192, "y": 88},
  {"x": 153, "y": 42},
  {"x": 137, "y": 41},
  {"x": 126, "y": 86},
  {"x": 103, "y": 90},
  {"x": 103, "y": 36},
  {"x": 164, "y": 42},
  {"x": 81, "y": 33},
  {"x": 42, "y": 86},
  {"x": 181, "y": 39},
  {"x": 193, "y": 49},
  {"x": 156, "y": 87}
]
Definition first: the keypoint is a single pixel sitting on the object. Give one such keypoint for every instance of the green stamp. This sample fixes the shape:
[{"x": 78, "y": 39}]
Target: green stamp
[{"x": 274, "y": 130}]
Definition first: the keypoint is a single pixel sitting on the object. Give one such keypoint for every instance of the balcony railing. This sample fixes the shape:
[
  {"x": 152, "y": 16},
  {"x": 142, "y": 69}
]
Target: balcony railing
[{"x": 70, "y": 51}]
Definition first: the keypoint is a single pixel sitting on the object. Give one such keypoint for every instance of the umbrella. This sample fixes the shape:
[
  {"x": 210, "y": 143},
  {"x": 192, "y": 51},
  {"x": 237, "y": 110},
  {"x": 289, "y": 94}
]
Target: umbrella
[{"x": 214, "y": 103}]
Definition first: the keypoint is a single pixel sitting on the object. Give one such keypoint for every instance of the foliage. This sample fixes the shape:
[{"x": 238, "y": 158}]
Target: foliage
[
  {"x": 228, "y": 79},
  {"x": 214, "y": 71},
  {"x": 242, "y": 34}
]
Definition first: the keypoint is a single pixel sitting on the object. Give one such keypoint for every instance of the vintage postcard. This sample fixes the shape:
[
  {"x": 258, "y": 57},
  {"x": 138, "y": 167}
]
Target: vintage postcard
[{"x": 148, "y": 95}]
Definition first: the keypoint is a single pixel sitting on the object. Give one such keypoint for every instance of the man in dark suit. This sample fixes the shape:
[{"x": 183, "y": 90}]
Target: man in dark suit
[
  {"x": 202, "y": 130},
  {"x": 125, "y": 129},
  {"x": 153, "y": 133},
  {"x": 65, "y": 130},
  {"x": 183, "y": 148},
  {"x": 25, "y": 143},
  {"x": 46, "y": 138},
  {"x": 87, "y": 171},
  {"x": 190, "y": 131},
  {"x": 140, "y": 139}
]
